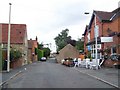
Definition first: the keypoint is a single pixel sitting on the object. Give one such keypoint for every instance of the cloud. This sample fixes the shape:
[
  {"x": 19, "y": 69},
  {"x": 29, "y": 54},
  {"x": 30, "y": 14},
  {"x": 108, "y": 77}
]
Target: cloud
[
  {"x": 47, "y": 18},
  {"x": 70, "y": 13}
]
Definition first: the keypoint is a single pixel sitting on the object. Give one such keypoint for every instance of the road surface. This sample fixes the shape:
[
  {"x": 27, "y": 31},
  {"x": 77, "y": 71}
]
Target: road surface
[{"x": 49, "y": 74}]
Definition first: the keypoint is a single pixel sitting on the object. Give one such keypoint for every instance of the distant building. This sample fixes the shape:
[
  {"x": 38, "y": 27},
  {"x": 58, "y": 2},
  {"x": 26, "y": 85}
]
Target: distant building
[
  {"x": 68, "y": 51},
  {"x": 18, "y": 40},
  {"x": 32, "y": 46}
]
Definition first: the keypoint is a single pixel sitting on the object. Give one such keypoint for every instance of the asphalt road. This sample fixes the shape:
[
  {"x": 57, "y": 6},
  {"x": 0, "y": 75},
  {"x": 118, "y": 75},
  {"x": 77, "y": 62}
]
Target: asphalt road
[{"x": 52, "y": 75}]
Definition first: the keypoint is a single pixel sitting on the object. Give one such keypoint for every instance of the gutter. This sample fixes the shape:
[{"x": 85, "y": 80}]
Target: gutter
[{"x": 113, "y": 17}]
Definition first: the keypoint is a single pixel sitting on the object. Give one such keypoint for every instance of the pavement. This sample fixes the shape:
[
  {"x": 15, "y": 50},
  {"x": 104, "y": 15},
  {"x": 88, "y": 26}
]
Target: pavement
[
  {"x": 110, "y": 76},
  {"x": 6, "y": 76}
]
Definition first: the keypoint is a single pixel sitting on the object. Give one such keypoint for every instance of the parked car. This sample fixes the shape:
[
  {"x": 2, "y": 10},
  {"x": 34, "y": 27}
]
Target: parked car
[
  {"x": 43, "y": 59},
  {"x": 68, "y": 62}
]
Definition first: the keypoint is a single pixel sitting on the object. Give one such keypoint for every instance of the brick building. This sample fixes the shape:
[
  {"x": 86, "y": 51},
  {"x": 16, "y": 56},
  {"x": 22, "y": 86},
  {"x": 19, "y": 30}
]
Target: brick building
[
  {"x": 18, "y": 41},
  {"x": 32, "y": 45},
  {"x": 108, "y": 26},
  {"x": 86, "y": 39}
]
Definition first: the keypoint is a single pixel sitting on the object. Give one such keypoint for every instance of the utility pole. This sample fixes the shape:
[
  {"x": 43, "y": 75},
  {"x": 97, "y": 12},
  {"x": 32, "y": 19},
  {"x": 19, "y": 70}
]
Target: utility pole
[
  {"x": 8, "y": 47},
  {"x": 96, "y": 35}
]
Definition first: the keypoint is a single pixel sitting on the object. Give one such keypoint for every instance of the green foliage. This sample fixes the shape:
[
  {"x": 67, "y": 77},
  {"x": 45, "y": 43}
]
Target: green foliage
[
  {"x": 46, "y": 52},
  {"x": 40, "y": 53},
  {"x": 89, "y": 55},
  {"x": 15, "y": 54},
  {"x": 40, "y": 46},
  {"x": 61, "y": 39},
  {"x": 80, "y": 45},
  {"x": 36, "y": 52},
  {"x": 107, "y": 50}
]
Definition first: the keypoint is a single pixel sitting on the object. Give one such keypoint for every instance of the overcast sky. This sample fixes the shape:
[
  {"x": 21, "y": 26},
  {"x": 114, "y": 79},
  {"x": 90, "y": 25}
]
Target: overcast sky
[{"x": 46, "y": 18}]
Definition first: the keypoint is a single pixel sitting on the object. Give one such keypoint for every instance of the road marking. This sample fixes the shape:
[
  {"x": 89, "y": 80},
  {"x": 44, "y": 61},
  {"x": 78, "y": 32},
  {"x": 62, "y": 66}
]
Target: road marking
[
  {"x": 1, "y": 84},
  {"x": 98, "y": 79}
]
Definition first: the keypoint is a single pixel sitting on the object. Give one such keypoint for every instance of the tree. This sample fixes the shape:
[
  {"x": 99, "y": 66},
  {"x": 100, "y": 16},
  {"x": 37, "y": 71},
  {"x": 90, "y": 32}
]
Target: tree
[
  {"x": 46, "y": 52},
  {"x": 40, "y": 46},
  {"x": 72, "y": 42},
  {"x": 61, "y": 39},
  {"x": 80, "y": 44}
]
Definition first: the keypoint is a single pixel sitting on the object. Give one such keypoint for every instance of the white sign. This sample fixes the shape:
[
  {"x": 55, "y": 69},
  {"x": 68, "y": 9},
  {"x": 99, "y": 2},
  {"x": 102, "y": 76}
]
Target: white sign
[{"x": 106, "y": 39}]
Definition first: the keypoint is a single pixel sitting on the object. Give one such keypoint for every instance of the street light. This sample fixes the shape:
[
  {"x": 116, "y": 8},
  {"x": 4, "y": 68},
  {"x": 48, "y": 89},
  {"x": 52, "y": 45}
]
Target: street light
[
  {"x": 96, "y": 35},
  {"x": 8, "y": 47}
]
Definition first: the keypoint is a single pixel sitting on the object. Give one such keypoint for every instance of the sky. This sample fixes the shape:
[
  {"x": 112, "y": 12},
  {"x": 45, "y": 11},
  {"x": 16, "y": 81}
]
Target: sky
[{"x": 47, "y": 18}]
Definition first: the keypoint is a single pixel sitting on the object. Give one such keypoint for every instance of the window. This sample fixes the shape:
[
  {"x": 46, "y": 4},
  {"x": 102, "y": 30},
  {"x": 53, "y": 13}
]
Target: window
[
  {"x": 99, "y": 46},
  {"x": 114, "y": 50}
]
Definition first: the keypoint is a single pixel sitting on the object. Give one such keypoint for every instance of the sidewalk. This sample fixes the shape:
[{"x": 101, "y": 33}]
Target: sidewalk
[
  {"x": 108, "y": 75},
  {"x": 6, "y": 76}
]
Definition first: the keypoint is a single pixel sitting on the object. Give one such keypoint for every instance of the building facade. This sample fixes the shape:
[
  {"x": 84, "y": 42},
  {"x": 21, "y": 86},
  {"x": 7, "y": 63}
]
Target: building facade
[
  {"x": 68, "y": 51},
  {"x": 107, "y": 26},
  {"x": 18, "y": 41},
  {"x": 32, "y": 47}
]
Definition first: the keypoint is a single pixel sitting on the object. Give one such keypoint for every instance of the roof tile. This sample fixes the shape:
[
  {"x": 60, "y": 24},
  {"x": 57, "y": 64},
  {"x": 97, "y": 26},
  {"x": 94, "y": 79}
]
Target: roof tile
[{"x": 17, "y": 35}]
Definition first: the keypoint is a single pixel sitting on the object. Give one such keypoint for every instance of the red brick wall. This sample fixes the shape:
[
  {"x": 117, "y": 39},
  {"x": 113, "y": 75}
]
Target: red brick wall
[
  {"x": 16, "y": 63},
  {"x": 85, "y": 42},
  {"x": 103, "y": 27},
  {"x": 33, "y": 50},
  {"x": 17, "y": 33},
  {"x": 92, "y": 28},
  {"x": 32, "y": 45},
  {"x": 114, "y": 27}
]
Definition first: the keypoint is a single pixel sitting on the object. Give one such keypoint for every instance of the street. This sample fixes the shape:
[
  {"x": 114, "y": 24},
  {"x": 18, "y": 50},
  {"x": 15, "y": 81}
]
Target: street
[{"x": 50, "y": 74}]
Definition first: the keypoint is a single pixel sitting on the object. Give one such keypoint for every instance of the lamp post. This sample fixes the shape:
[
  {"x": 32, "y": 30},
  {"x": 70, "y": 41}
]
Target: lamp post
[
  {"x": 8, "y": 47},
  {"x": 96, "y": 35}
]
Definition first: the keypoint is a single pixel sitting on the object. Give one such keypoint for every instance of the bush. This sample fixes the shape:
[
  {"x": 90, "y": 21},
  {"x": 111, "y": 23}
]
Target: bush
[{"x": 15, "y": 54}]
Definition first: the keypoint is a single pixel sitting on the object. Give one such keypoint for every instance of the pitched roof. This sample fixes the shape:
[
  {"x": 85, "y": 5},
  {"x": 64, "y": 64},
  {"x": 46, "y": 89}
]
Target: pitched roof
[
  {"x": 105, "y": 16},
  {"x": 117, "y": 12},
  {"x": 86, "y": 29},
  {"x": 67, "y": 51},
  {"x": 31, "y": 43},
  {"x": 17, "y": 35}
]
